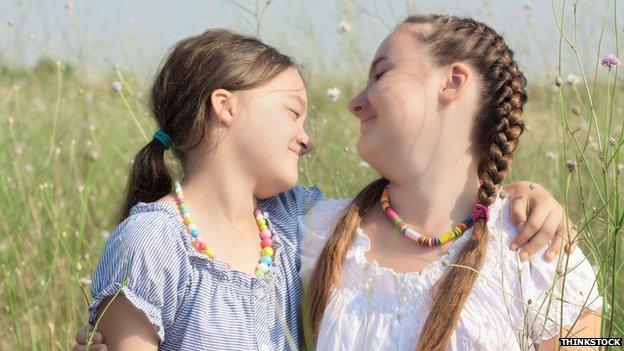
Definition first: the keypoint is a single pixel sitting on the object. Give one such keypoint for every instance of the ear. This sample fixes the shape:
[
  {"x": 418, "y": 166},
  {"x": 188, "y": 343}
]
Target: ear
[
  {"x": 222, "y": 106},
  {"x": 456, "y": 82}
]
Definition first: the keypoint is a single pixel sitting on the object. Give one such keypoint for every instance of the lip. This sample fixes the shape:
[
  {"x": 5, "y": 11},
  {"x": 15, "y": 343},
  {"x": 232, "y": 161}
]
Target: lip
[{"x": 366, "y": 120}]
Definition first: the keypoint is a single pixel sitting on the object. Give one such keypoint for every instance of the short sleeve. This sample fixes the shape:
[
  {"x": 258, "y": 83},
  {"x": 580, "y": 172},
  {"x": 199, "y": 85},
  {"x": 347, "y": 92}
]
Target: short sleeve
[
  {"x": 315, "y": 227},
  {"x": 144, "y": 258},
  {"x": 556, "y": 301}
]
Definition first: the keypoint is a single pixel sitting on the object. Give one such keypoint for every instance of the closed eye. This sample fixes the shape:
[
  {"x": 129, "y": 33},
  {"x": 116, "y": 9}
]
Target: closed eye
[
  {"x": 377, "y": 76},
  {"x": 297, "y": 114}
]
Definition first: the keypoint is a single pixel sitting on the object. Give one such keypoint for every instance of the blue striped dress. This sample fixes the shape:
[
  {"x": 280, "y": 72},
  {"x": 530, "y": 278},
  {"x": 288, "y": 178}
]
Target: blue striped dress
[{"x": 201, "y": 304}]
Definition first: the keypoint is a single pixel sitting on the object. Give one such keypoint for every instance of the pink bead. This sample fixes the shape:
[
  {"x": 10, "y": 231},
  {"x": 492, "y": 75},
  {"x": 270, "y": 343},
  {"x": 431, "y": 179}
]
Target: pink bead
[
  {"x": 267, "y": 242},
  {"x": 412, "y": 235},
  {"x": 266, "y": 234},
  {"x": 201, "y": 246},
  {"x": 391, "y": 213},
  {"x": 257, "y": 212}
]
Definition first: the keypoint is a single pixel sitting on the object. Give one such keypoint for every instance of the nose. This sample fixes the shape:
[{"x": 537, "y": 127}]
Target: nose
[
  {"x": 358, "y": 104},
  {"x": 306, "y": 147},
  {"x": 305, "y": 144}
]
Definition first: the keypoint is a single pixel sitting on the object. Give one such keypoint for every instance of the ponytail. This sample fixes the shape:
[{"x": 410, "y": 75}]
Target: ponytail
[{"x": 149, "y": 178}]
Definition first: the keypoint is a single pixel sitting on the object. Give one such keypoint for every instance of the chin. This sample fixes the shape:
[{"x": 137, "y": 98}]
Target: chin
[
  {"x": 285, "y": 181},
  {"x": 364, "y": 149}
]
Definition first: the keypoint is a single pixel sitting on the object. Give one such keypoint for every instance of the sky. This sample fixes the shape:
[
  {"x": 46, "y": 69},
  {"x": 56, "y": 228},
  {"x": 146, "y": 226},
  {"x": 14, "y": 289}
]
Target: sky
[{"x": 135, "y": 34}]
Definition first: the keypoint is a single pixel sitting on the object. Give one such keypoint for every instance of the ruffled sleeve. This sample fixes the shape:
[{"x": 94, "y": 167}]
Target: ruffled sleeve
[
  {"x": 555, "y": 300},
  {"x": 145, "y": 259},
  {"x": 315, "y": 228},
  {"x": 300, "y": 199}
]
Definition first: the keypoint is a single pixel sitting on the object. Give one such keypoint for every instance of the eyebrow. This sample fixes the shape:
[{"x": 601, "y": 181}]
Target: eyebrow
[{"x": 375, "y": 63}]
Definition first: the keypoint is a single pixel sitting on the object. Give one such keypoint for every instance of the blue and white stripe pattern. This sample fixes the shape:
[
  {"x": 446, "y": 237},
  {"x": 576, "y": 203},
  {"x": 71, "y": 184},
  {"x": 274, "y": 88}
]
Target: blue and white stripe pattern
[{"x": 197, "y": 303}]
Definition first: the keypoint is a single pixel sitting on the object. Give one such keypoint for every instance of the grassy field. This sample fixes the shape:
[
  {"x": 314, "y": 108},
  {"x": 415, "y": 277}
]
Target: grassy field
[{"x": 67, "y": 146}]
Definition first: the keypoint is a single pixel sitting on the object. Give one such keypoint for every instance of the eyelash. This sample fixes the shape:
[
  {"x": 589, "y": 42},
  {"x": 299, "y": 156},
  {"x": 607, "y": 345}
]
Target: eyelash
[
  {"x": 377, "y": 76},
  {"x": 295, "y": 112}
]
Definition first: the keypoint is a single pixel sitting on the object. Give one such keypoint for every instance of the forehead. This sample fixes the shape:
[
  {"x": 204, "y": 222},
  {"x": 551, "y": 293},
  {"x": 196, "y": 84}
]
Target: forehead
[
  {"x": 399, "y": 46},
  {"x": 288, "y": 83}
]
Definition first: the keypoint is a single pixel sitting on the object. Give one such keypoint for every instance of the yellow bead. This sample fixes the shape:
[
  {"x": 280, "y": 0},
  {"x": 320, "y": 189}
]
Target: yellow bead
[
  {"x": 446, "y": 237},
  {"x": 187, "y": 220},
  {"x": 209, "y": 253},
  {"x": 262, "y": 222},
  {"x": 262, "y": 226},
  {"x": 267, "y": 251}
]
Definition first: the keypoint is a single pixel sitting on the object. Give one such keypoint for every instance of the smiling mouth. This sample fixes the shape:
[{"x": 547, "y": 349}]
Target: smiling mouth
[{"x": 366, "y": 120}]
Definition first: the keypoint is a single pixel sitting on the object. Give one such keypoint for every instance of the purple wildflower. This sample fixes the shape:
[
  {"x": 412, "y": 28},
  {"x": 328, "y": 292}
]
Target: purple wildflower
[
  {"x": 610, "y": 61},
  {"x": 572, "y": 165}
]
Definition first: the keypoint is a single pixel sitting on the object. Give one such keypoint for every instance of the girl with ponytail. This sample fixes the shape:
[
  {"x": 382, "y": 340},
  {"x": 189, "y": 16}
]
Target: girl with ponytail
[
  {"x": 440, "y": 117},
  {"x": 231, "y": 109}
]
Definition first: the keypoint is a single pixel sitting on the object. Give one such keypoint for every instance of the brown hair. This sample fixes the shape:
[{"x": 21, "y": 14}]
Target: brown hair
[
  {"x": 180, "y": 100},
  {"x": 498, "y": 125}
]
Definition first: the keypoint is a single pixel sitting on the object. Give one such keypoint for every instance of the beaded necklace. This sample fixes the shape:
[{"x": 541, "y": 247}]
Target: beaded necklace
[
  {"x": 266, "y": 260},
  {"x": 480, "y": 211}
]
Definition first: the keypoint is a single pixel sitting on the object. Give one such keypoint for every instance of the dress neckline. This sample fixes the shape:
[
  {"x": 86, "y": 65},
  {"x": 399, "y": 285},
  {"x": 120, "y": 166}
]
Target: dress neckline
[{"x": 383, "y": 277}]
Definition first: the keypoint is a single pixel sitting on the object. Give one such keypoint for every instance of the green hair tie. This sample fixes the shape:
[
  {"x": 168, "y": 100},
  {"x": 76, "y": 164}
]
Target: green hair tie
[{"x": 163, "y": 138}]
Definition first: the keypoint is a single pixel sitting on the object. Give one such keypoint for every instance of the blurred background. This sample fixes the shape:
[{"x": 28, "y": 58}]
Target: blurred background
[{"x": 73, "y": 83}]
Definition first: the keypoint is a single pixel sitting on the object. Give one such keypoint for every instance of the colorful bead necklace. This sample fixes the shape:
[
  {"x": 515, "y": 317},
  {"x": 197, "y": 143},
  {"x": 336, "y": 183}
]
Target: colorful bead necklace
[
  {"x": 479, "y": 211},
  {"x": 266, "y": 261}
]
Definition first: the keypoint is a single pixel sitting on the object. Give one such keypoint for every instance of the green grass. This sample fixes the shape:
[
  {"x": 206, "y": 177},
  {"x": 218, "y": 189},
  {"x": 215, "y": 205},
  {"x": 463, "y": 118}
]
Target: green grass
[
  {"x": 67, "y": 145},
  {"x": 67, "y": 151}
]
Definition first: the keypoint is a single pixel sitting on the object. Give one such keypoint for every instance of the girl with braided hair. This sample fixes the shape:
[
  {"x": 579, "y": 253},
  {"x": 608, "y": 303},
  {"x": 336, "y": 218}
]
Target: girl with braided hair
[
  {"x": 440, "y": 117},
  {"x": 197, "y": 285}
]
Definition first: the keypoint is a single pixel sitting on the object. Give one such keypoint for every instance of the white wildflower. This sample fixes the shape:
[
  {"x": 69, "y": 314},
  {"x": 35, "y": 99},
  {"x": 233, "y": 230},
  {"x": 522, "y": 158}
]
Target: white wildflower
[
  {"x": 551, "y": 155},
  {"x": 344, "y": 26},
  {"x": 572, "y": 79},
  {"x": 116, "y": 86},
  {"x": 333, "y": 94}
]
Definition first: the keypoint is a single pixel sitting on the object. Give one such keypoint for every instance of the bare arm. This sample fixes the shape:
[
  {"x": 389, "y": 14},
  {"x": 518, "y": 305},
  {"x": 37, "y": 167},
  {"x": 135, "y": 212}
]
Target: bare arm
[
  {"x": 126, "y": 327},
  {"x": 587, "y": 326}
]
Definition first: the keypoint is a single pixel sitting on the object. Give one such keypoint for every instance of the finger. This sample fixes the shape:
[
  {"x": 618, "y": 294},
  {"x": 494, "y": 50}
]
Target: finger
[
  {"x": 556, "y": 245},
  {"x": 542, "y": 237},
  {"x": 570, "y": 237},
  {"x": 95, "y": 347},
  {"x": 98, "y": 338},
  {"x": 83, "y": 334},
  {"x": 518, "y": 206},
  {"x": 534, "y": 222}
]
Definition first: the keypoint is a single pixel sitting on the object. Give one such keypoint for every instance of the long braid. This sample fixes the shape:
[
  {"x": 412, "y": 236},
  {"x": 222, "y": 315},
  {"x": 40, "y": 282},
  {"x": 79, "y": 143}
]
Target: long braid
[{"x": 497, "y": 129}]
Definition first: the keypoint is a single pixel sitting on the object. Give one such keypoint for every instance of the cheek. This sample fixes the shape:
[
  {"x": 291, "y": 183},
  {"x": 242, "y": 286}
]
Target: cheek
[{"x": 401, "y": 103}]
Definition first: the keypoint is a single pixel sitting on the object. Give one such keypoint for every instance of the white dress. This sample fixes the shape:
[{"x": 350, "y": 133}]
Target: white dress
[{"x": 510, "y": 308}]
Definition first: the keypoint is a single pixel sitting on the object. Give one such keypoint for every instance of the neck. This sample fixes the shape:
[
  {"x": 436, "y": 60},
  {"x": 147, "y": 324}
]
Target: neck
[
  {"x": 440, "y": 197},
  {"x": 219, "y": 193}
]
